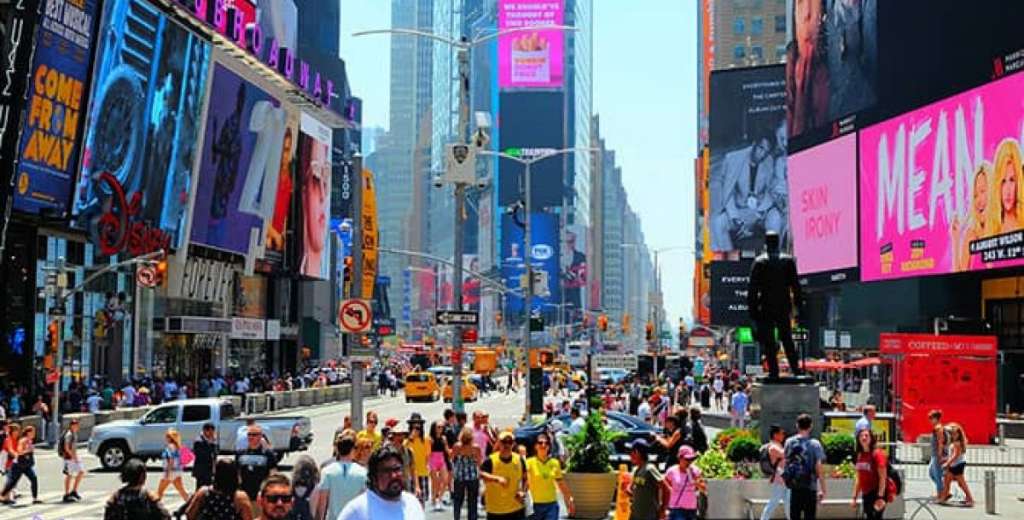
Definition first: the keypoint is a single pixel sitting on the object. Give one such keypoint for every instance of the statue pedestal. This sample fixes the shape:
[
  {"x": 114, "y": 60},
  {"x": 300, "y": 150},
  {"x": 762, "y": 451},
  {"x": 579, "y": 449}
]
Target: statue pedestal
[{"x": 780, "y": 401}]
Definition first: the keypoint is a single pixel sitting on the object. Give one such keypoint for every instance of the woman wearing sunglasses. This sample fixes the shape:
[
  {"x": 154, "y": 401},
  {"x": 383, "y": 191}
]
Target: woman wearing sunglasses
[{"x": 544, "y": 474}]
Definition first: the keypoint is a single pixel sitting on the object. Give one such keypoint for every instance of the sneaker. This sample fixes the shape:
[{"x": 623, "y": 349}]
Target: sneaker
[
  {"x": 36, "y": 501},
  {"x": 75, "y": 495},
  {"x": 67, "y": 499}
]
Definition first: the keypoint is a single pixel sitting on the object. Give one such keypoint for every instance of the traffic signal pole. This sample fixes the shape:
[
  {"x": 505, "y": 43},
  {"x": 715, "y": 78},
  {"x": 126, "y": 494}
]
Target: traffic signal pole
[
  {"x": 356, "y": 291},
  {"x": 460, "y": 221}
]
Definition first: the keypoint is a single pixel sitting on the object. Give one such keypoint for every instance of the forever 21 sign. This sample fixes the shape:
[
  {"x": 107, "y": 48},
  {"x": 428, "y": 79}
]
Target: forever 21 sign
[{"x": 207, "y": 280}]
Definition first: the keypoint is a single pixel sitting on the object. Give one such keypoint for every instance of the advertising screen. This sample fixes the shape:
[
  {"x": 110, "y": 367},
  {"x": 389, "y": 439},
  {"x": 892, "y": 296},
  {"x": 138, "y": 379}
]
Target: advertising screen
[
  {"x": 544, "y": 257},
  {"x": 729, "y": 280},
  {"x": 823, "y": 206},
  {"x": 941, "y": 187},
  {"x": 141, "y": 134},
  {"x": 51, "y": 136},
  {"x": 278, "y": 225},
  {"x": 242, "y": 155},
  {"x": 574, "y": 270},
  {"x": 530, "y": 124},
  {"x": 531, "y": 58},
  {"x": 748, "y": 143},
  {"x": 314, "y": 174}
]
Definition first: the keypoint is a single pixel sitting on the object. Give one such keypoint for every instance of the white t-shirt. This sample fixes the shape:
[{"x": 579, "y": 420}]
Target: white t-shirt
[
  {"x": 644, "y": 411},
  {"x": 719, "y": 386},
  {"x": 369, "y": 506},
  {"x": 94, "y": 401},
  {"x": 345, "y": 481}
]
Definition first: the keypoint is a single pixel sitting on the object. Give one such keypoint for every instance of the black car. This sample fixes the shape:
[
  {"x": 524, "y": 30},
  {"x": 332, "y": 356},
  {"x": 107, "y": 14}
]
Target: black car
[{"x": 632, "y": 426}]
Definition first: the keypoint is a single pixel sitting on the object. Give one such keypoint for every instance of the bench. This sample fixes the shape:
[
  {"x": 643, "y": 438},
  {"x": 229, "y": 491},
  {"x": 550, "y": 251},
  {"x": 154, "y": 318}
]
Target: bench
[
  {"x": 923, "y": 504},
  {"x": 758, "y": 505}
]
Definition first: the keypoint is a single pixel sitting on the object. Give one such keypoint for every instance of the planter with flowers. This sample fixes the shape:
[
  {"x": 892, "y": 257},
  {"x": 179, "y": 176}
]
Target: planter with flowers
[{"x": 589, "y": 474}]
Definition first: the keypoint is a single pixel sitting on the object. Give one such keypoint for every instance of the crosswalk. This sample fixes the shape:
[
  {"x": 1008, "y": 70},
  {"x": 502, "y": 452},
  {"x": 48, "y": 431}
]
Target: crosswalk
[{"x": 90, "y": 507}]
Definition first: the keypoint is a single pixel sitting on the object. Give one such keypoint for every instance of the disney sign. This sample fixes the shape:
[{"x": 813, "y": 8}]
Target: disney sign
[{"x": 119, "y": 229}]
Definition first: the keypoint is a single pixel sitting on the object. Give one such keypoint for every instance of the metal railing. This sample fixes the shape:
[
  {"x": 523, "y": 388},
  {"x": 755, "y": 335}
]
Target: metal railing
[{"x": 1005, "y": 461}]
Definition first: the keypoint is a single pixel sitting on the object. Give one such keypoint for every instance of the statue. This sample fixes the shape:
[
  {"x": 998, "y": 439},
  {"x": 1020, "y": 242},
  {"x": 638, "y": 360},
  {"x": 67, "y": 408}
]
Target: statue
[{"x": 772, "y": 295}]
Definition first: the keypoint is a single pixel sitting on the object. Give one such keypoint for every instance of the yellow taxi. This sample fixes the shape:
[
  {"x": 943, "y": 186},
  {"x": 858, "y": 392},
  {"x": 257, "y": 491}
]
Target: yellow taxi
[
  {"x": 469, "y": 391},
  {"x": 421, "y": 386}
]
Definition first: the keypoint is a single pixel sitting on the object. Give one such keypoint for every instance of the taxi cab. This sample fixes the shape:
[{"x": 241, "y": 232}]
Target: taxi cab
[
  {"x": 421, "y": 386},
  {"x": 469, "y": 391}
]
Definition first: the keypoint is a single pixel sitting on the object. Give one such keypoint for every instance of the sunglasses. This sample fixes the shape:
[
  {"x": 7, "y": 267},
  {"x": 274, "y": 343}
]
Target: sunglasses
[
  {"x": 508, "y": 441},
  {"x": 391, "y": 470},
  {"x": 278, "y": 499},
  {"x": 255, "y": 435},
  {"x": 542, "y": 443}
]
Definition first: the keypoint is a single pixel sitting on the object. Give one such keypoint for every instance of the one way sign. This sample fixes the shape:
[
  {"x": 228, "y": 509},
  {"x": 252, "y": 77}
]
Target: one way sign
[{"x": 457, "y": 318}]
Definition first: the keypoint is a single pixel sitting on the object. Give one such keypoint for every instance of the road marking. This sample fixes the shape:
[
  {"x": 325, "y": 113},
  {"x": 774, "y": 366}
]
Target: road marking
[{"x": 90, "y": 507}]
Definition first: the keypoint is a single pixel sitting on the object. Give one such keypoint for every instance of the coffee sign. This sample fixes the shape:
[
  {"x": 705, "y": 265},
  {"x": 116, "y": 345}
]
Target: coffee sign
[{"x": 205, "y": 280}]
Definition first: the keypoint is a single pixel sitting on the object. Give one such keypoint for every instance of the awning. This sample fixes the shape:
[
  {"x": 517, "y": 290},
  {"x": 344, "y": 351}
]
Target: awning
[
  {"x": 822, "y": 365},
  {"x": 864, "y": 362}
]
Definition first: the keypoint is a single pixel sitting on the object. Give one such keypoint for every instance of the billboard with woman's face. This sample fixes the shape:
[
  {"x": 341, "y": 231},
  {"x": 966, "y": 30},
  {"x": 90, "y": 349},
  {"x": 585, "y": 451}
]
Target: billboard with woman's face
[
  {"x": 942, "y": 187},
  {"x": 314, "y": 176}
]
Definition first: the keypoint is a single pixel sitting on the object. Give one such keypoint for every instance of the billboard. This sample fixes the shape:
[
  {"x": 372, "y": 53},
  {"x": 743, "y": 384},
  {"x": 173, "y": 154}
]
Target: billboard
[
  {"x": 315, "y": 190},
  {"x": 941, "y": 187},
  {"x": 574, "y": 271},
  {"x": 530, "y": 124},
  {"x": 831, "y": 63},
  {"x": 56, "y": 100},
  {"x": 729, "y": 280},
  {"x": 241, "y": 163},
  {"x": 277, "y": 227},
  {"x": 823, "y": 206},
  {"x": 531, "y": 58},
  {"x": 142, "y": 131},
  {"x": 544, "y": 257},
  {"x": 748, "y": 144}
]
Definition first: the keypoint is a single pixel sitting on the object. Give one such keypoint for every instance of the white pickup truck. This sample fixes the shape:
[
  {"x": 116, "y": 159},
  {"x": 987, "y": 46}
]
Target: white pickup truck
[{"x": 117, "y": 441}]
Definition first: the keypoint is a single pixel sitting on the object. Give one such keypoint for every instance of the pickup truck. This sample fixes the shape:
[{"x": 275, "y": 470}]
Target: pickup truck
[{"x": 117, "y": 441}]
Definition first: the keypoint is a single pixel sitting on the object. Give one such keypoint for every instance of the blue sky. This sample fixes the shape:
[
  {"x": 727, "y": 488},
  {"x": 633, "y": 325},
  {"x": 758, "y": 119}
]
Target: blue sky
[{"x": 645, "y": 91}]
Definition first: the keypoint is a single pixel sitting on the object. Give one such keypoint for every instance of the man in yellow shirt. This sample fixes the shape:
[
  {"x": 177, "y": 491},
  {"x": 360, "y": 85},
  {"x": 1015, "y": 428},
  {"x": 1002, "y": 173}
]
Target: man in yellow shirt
[
  {"x": 543, "y": 474},
  {"x": 371, "y": 432},
  {"x": 505, "y": 475}
]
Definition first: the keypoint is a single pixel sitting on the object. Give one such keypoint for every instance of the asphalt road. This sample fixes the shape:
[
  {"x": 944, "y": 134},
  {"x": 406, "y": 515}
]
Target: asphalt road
[{"x": 99, "y": 484}]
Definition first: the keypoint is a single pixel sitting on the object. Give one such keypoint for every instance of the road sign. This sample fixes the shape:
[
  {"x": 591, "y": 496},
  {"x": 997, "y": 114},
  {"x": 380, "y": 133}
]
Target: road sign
[
  {"x": 146, "y": 276},
  {"x": 457, "y": 318},
  {"x": 355, "y": 316}
]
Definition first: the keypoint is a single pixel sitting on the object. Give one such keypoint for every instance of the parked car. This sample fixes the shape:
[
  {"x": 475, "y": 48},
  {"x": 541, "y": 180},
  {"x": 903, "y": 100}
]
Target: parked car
[
  {"x": 421, "y": 386},
  {"x": 632, "y": 426},
  {"x": 117, "y": 441},
  {"x": 469, "y": 390}
]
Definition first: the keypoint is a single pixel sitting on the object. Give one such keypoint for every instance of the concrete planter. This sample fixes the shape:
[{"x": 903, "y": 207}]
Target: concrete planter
[
  {"x": 318, "y": 395},
  {"x": 331, "y": 394},
  {"x": 292, "y": 398},
  {"x": 344, "y": 392},
  {"x": 102, "y": 416},
  {"x": 276, "y": 400},
  {"x": 592, "y": 492},
  {"x": 255, "y": 403},
  {"x": 86, "y": 422},
  {"x": 305, "y": 397},
  {"x": 727, "y": 499}
]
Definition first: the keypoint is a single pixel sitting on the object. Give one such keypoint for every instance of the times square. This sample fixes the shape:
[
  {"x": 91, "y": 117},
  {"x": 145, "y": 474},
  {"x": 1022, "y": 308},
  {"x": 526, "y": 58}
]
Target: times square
[{"x": 410, "y": 259}]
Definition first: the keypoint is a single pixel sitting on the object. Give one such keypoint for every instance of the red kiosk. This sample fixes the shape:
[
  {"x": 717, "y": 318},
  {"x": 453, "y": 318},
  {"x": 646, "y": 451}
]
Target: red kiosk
[{"x": 956, "y": 374}]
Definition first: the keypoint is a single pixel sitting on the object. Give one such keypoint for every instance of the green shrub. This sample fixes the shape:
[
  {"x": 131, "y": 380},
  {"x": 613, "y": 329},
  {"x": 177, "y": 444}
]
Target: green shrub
[
  {"x": 714, "y": 465},
  {"x": 838, "y": 447},
  {"x": 590, "y": 448},
  {"x": 743, "y": 449},
  {"x": 845, "y": 470},
  {"x": 725, "y": 437}
]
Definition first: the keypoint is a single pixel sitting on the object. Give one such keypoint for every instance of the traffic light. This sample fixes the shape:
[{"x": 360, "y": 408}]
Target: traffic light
[
  {"x": 348, "y": 269},
  {"x": 649, "y": 331},
  {"x": 625, "y": 323},
  {"x": 161, "y": 271},
  {"x": 602, "y": 322},
  {"x": 52, "y": 337}
]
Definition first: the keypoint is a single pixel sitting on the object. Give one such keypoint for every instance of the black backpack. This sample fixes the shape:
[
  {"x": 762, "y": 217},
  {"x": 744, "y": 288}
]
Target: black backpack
[
  {"x": 764, "y": 460},
  {"x": 799, "y": 470}
]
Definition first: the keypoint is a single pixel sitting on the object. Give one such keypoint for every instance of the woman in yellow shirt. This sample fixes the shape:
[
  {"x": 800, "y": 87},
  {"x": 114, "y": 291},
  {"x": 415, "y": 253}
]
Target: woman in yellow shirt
[
  {"x": 544, "y": 473},
  {"x": 371, "y": 432},
  {"x": 420, "y": 449}
]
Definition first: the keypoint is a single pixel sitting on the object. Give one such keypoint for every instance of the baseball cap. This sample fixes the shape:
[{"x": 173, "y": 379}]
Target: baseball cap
[
  {"x": 640, "y": 445},
  {"x": 686, "y": 452},
  {"x": 506, "y": 435}
]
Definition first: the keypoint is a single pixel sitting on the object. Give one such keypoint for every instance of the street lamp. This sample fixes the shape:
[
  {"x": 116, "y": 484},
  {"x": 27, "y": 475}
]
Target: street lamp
[{"x": 527, "y": 162}]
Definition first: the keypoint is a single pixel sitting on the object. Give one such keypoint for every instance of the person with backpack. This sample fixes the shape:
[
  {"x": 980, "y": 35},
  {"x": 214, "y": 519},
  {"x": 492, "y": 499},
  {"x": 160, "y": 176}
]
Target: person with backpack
[
  {"x": 685, "y": 480},
  {"x": 74, "y": 470},
  {"x": 772, "y": 457},
  {"x": 872, "y": 476},
  {"x": 803, "y": 472},
  {"x": 132, "y": 501},
  {"x": 223, "y": 500},
  {"x": 172, "y": 466}
]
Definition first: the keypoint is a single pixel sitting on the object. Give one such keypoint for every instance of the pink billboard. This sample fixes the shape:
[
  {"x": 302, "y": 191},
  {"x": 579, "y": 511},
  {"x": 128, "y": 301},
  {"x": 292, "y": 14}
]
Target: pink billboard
[
  {"x": 531, "y": 58},
  {"x": 942, "y": 189},
  {"x": 823, "y": 206}
]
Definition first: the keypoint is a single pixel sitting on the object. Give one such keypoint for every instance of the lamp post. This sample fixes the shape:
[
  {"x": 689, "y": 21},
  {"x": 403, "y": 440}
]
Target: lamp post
[{"x": 527, "y": 245}]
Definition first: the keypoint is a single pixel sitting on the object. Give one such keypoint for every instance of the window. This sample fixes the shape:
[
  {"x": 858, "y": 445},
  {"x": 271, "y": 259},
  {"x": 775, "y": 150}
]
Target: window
[
  {"x": 780, "y": 53},
  {"x": 757, "y": 26},
  {"x": 757, "y": 53},
  {"x": 227, "y": 411},
  {"x": 162, "y": 415},
  {"x": 780, "y": 23},
  {"x": 757, "y": 4},
  {"x": 195, "y": 413},
  {"x": 738, "y": 26},
  {"x": 739, "y": 52}
]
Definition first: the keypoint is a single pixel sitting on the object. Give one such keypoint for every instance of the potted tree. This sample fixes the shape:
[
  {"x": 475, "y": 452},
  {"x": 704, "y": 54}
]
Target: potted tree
[{"x": 589, "y": 474}]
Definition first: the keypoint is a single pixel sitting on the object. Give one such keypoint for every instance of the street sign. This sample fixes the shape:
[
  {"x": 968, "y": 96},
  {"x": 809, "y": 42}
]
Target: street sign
[
  {"x": 58, "y": 311},
  {"x": 461, "y": 163},
  {"x": 355, "y": 316},
  {"x": 457, "y": 318},
  {"x": 146, "y": 276}
]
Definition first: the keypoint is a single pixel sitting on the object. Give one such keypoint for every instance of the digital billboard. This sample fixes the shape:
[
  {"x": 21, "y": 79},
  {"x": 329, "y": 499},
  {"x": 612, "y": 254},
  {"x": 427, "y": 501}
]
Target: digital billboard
[
  {"x": 729, "y": 281},
  {"x": 823, "y": 206},
  {"x": 747, "y": 182},
  {"x": 530, "y": 124},
  {"x": 142, "y": 131},
  {"x": 942, "y": 188},
  {"x": 277, "y": 227},
  {"x": 241, "y": 163},
  {"x": 56, "y": 102},
  {"x": 544, "y": 257},
  {"x": 574, "y": 270},
  {"x": 531, "y": 58},
  {"x": 314, "y": 175}
]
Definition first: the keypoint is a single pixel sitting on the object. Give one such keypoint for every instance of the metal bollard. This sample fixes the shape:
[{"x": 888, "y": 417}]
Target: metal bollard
[{"x": 990, "y": 492}]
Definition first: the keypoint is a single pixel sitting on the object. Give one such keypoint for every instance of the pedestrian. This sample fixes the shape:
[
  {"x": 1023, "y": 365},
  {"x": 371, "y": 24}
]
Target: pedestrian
[
  {"x": 939, "y": 449},
  {"x": 504, "y": 474},
  {"x": 305, "y": 478},
  {"x": 466, "y": 460},
  {"x": 439, "y": 451},
  {"x": 24, "y": 464},
  {"x": 206, "y": 450},
  {"x": 362, "y": 452},
  {"x": 776, "y": 457},
  {"x": 544, "y": 475},
  {"x": 719, "y": 387},
  {"x": 685, "y": 481},
  {"x": 370, "y": 431},
  {"x": 804, "y": 472},
  {"x": 420, "y": 448},
  {"x": 671, "y": 441},
  {"x": 705, "y": 396},
  {"x": 483, "y": 435},
  {"x": 864, "y": 423},
  {"x": 872, "y": 476},
  {"x": 242, "y": 434},
  {"x": 576, "y": 421},
  {"x": 132, "y": 501},
  {"x": 649, "y": 485},
  {"x": 5, "y": 429},
  {"x": 255, "y": 462},
  {"x": 276, "y": 498},
  {"x": 955, "y": 465},
  {"x": 739, "y": 408},
  {"x": 698, "y": 437},
  {"x": 221, "y": 500},
  {"x": 643, "y": 412},
  {"x": 172, "y": 465},
  {"x": 74, "y": 470},
  {"x": 341, "y": 481},
  {"x": 385, "y": 497},
  {"x": 396, "y": 438}
]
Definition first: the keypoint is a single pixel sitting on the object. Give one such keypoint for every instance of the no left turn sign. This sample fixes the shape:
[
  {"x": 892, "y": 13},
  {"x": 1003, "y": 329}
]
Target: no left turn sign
[{"x": 355, "y": 316}]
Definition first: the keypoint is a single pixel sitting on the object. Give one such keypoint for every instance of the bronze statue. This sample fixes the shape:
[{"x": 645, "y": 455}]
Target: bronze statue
[{"x": 772, "y": 295}]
